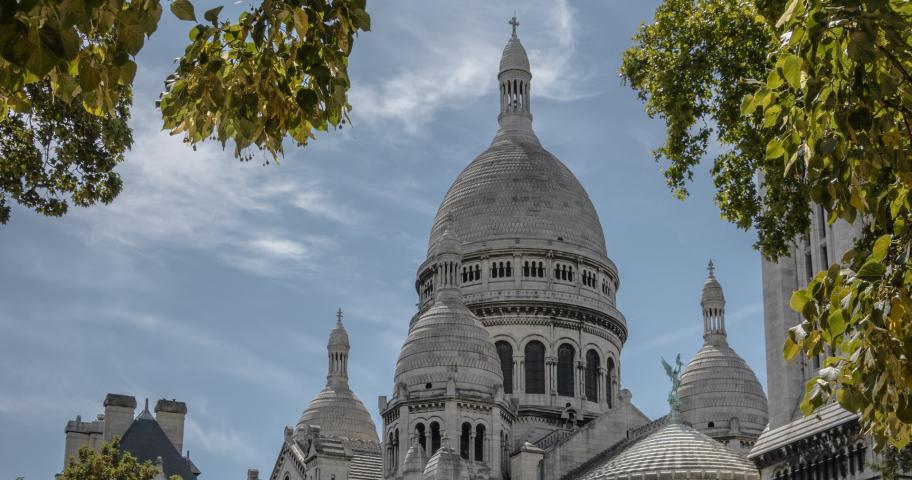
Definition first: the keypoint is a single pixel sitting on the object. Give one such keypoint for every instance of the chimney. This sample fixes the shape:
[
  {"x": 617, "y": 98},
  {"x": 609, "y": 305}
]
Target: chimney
[
  {"x": 170, "y": 417},
  {"x": 118, "y": 415}
]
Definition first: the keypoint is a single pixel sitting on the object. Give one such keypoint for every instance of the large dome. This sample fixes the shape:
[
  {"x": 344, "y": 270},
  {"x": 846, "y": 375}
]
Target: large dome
[
  {"x": 718, "y": 385},
  {"x": 676, "y": 451},
  {"x": 517, "y": 190},
  {"x": 339, "y": 413}
]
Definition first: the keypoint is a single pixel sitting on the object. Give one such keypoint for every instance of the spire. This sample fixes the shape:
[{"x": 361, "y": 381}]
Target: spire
[
  {"x": 146, "y": 414},
  {"x": 337, "y": 350},
  {"x": 713, "y": 304},
  {"x": 515, "y": 79}
]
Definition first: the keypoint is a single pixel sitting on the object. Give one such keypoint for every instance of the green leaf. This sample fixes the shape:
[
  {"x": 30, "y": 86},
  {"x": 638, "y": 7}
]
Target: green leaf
[
  {"x": 774, "y": 149},
  {"x": 860, "y": 48},
  {"x": 799, "y": 299},
  {"x": 212, "y": 14},
  {"x": 183, "y": 10},
  {"x": 791, "y": 349},
  {"x": 787, "y": 15},
  {"x": 302, "y": 23},
  {"x": 871, "y": 271},
  {"x": 791, "y": 70},
  {"x": 836, "y": 324},
  {"x": 881, "y": 247},
  {"x": 849, "y": 399}
]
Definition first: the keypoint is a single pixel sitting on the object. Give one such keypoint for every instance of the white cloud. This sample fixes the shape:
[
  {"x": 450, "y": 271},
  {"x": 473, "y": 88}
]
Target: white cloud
[
  {"x": 454, "y": 67},
  {"x": 222, "y": 441}
]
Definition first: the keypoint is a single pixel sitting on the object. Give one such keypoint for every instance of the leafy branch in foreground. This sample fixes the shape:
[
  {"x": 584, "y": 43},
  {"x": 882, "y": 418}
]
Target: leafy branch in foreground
[
  {"x": 279, "y": 70},
  {"x": 812, "y": 100}
]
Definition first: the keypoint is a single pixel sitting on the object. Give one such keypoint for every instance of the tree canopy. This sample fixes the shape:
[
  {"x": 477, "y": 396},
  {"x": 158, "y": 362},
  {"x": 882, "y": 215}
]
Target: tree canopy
[
  {"x": 108, "y": 463},
  {"x": 811, "y": 103},
  {"x": 279, "y": 70}
]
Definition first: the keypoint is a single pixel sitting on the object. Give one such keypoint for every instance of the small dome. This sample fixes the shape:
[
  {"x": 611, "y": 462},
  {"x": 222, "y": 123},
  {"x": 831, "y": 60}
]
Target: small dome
[
  {"x": 338, "y": 337},
  {"x": 679, "y": 451},
  {"x": 718, "y": 385},
  {"x": 712, "y": 290},
  {"x": 448, "y": 341},
  {"x": 514, "y": 56},
  {"x": 339, "y": 413},
  {"x": 445, "y": 464}
]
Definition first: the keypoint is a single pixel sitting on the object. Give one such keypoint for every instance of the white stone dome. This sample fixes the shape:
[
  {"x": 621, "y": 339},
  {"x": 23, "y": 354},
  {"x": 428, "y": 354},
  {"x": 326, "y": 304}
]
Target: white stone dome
[
  {"x": 517, "y": 190},
  {"x": 339, "y": 413},
  {"x": 718, "y": 385},
  {"x": 676, "y": 451},
  {"x": 447, "y": 341},
  {"x": 514, "y": 56}
]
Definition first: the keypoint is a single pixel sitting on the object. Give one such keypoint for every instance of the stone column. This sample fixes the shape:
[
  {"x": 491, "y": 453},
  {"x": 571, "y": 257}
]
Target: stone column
[
  {"x": 494, "y": 460},
  {"x": 519, "y": 374},
  {"x": 551, "y": 375},
  {"x": 517, "y": 271}
]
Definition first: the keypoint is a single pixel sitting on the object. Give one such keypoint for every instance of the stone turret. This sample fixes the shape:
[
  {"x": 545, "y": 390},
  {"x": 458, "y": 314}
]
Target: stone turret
[{"x": 713, "y": 303}]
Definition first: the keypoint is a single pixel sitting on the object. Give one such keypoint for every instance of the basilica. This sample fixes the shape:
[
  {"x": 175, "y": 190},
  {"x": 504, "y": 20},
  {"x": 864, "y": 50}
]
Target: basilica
[{"x": 512, "y": 364}]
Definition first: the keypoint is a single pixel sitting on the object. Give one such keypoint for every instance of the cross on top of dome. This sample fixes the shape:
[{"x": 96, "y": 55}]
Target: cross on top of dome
[
  {"x": 712, "y": 268},
  {"x": 339, "y": 315},
  {"x": 514, "y": 24}
]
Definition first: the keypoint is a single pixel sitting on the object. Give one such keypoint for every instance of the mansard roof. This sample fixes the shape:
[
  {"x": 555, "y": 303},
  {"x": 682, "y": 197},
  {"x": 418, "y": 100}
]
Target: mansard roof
[{"x": 826, "y": 418}]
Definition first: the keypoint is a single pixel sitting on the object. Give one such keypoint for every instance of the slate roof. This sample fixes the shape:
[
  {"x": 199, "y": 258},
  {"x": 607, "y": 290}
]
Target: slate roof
[
  {"x": 146, "y": 440},
  {"x": 827, "y": 417}
]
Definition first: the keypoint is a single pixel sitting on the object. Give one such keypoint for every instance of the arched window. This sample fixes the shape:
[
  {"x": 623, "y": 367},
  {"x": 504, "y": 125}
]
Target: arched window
[
  {"x": 609, "y": 383},
  {"x": 541, "y": 269},
  {"x": 509, "y": 270},
  {"x": 500, "y": 270},
  {"x": 477, "y": 272},
  {"x": 565, "y": 356},
  {"x": 592, "y": 366},
  {"x": 422, "y": 437},
  {"x": 535, "y": 367},
  {"x": 494, "y": 270},
  {"x": 525, "y": 269},
  {"x": 465, "y": 275},
  {"x": 570, "y": 275},
  {"x": 557, "y": 270},
  {"x": 505, "y": 352},
  {"x": 464, "y": 441},
  {"x": 435, "y": 437},
  {"x": 479, "y": 443}
]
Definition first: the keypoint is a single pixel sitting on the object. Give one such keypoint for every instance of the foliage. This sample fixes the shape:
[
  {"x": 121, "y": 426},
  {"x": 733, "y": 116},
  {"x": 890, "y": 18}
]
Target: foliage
[
  {"x": 57, "y": 150},
  {"x": 279, "y": 70},
  {"x": 816, "y": 107},
  {"x": 109, "y": 463}
]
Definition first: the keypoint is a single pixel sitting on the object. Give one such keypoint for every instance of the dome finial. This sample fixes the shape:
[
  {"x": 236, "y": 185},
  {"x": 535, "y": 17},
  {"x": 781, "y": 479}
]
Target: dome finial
[
  {"x": 713, "y": 304},
  {"x": 514, "y": 23},
  {"x": 339, "y": 315}
]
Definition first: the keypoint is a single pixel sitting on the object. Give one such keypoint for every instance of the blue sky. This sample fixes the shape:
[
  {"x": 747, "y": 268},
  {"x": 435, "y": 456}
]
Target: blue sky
[{"x": 216, "y": 282}]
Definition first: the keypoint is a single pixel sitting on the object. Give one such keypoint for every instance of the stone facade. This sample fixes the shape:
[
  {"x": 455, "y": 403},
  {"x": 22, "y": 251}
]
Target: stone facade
[{"x": 534, "y": 269}]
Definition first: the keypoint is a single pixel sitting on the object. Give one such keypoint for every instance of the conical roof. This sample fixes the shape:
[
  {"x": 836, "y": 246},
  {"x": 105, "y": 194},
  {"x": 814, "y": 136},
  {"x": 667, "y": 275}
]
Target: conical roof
[
  {"x": 445, "y": 464},
  {"x": 514, "y": 56},
  {"x": 676, "y": 451}
]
